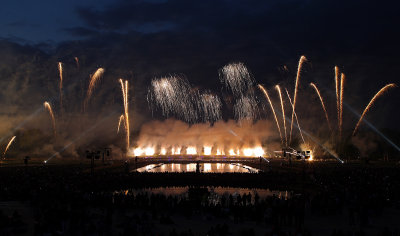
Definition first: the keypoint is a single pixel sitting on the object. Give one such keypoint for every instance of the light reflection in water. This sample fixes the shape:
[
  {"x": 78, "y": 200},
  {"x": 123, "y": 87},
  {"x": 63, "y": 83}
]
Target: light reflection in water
[{"x": 203, "y": 167}]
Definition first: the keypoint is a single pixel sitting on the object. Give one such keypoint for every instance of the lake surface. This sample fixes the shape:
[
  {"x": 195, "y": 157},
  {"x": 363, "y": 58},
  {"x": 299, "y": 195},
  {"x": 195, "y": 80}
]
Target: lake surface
[{"x": 201, "y": 167}]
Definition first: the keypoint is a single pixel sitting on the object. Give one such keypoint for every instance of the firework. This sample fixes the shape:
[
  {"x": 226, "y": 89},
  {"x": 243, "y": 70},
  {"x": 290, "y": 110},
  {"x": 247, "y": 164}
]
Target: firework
[
  {"x": 237, "y": 78},
  {"x": 342, "y": 79},
  {"x": 322, "y": 103},
  {"x": 174, "y": 96},
  {"x": 77, "y": 62},
  {"x": 301, "y": 61},
  {"x": 272, "y": 108},
  {"x": 8, "y": 145},
  {"x": 121, "y": 119},
  {"x": 245, "y": 108},
  {"x": 60, "y": 70},
  {"x": 295, "y": 115},
  {"x": 124, "y": 88},
  {"x": 53, "y": 120},
  {"x": 93, "y": 81},
  {"x": 377, "y": 95},
  {"x": 337, "y": 94},
  {"x": 210, "y": 105},
  {"x": 283, "y": 110}
]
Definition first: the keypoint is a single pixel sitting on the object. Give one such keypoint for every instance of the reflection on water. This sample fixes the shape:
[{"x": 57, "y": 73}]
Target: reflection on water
[{"x": 198, "y": 167}]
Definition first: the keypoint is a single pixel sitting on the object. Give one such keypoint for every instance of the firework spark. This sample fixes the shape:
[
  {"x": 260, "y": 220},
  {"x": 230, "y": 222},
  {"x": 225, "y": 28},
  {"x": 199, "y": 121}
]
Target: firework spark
[
  {"x": 337, "y": 94},
  {"x": 8, "y": 145},
  {"x": 295, "y": 115},
  {"x": 322, "y": 103},
  {"x": 377, "y": 95},
  {"x": 342, "y": 79},
  {"x": 174, "y": 96},
  {"x": 77, "y": 62},
  {"x": 245, "y": 108},
  {"x": 236, "y": 78},
  {"x": 283, "y": 110},
  {"x": 47, "y": 106},
  {"x": 121, "y": 119},
  {"x": 124, "y": 88},
  {"x": 210, "y": 105},
  {"x": 93, "y": 81},
  {"x": 301, "y": 61},
  {"x": 60, "y": 70},
  {"x": 272, "y": 108}
]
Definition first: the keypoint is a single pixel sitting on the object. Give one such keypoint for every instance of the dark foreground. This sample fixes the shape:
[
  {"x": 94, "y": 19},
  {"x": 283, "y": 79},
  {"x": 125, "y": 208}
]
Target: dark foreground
[{"x": 324, "y": 199}]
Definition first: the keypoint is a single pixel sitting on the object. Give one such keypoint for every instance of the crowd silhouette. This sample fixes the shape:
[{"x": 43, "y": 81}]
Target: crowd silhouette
[{"x": 69, "y": 200}]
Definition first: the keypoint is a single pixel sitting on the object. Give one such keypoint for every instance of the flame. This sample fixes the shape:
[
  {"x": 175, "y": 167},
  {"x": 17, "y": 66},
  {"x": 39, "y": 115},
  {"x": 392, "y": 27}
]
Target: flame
[
  {"x": 258, "y": 151},
  {"x": 232, "y": 152},
  {"x": 176, "y": 151},
  {"x": 191, "y": 151},
  {"x": 207, "y": 150},
  {"x": 137, "y": 151},
  {"x": 149, "y": 151}
]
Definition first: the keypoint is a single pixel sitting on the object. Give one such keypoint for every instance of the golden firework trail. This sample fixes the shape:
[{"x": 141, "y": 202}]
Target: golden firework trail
[
  {"x": 77, "y": 62},
  {"x": 342, "y": 79},
  {"x": 283, "y": 111},
  {"x": 53, "y": 120},
  {"x": 377, "y": 95},
  {"x": 301, "y": 61},
  {"x": 295, "y": 115},
  {"x": 272, "y": 108},
  {"x": 8, "y": 145},
  {"x": 322, "y": 103},
  {"x": 60, "y": 70},
  {"x": 124, "y": 88},
  {"x": 92, "y": 84},
  {"x": 121, "y": 119},
  {"x": 337, "y": 94}
]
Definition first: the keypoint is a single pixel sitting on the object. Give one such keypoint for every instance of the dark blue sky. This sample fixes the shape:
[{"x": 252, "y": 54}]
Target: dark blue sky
[
  {"x": 152, "y": 38},
  {"x": 43, "y": 21}
]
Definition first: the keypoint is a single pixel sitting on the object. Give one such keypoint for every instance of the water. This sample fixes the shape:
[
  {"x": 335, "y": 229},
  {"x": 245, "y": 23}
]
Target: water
[{"x": 203, "y": 167}]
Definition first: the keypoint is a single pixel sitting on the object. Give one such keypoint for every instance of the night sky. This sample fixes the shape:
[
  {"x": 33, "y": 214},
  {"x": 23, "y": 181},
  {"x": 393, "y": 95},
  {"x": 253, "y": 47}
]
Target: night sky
[{"x": 141, "y": 40}]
